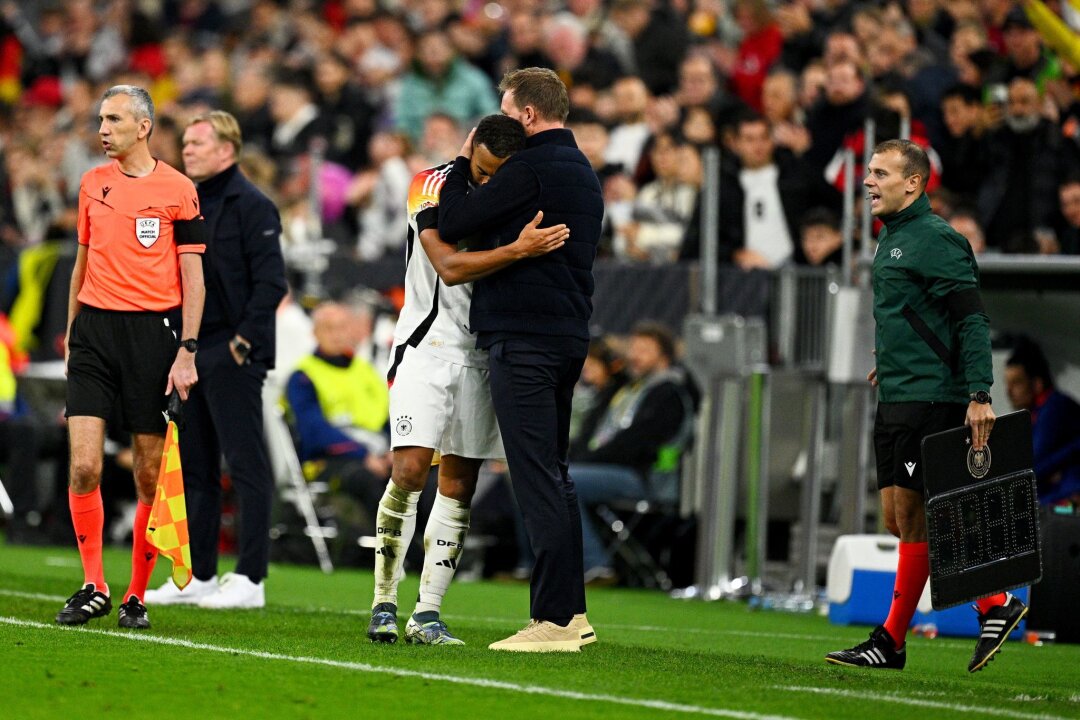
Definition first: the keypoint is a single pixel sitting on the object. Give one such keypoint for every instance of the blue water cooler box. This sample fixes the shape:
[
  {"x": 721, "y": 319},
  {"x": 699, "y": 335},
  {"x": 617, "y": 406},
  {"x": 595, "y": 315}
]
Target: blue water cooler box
[{"x": 859, "y": 587}]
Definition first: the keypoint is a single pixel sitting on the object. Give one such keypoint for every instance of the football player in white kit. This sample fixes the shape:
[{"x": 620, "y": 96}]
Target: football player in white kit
[{"x": 439, "y": 395}]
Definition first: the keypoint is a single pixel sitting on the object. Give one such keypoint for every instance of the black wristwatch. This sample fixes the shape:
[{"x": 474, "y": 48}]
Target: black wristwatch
[
  {"x": 982, "y": 397},
  {"x": 242, "y": 349},
  {"x": 191, "y": 345}
]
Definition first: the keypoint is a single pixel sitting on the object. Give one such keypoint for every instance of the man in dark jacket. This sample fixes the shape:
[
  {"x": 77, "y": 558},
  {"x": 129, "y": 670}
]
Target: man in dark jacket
[
  {"x": 932, "y": 347},
  {"x": 245, "y": 281},
  {"x": 1055, "y": 422},
  {"x": 533, "y": 317},
  {"x": 644, "y": 416},
  {"x": 1024, "y": 157}
]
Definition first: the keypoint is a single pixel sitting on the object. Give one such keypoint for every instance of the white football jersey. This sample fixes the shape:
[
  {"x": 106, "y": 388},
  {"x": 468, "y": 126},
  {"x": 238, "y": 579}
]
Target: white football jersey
[{"x": 435, "y": 316}]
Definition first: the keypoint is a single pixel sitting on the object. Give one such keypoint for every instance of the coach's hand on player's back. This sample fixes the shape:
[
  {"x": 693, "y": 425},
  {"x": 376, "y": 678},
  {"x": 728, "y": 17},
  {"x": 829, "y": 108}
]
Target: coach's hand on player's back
[
  {"x": 534, "y": 241},
  {"x": 182, "y": 374},
  {"x": 980, "y": 418}
]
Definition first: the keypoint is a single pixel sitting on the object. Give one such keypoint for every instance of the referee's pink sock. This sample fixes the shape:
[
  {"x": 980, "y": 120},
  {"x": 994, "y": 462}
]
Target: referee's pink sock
[
  {"x": 143, "y": 554},
  {"x": 991, "y": 602},
  {"x": 911, "y": 574},
  {"x": 88, "y": 519}
]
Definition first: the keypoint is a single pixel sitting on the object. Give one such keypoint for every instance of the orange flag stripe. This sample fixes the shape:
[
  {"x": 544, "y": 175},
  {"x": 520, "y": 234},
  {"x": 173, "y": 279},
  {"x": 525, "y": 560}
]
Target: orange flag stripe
[{"x": 168, "y": 527}]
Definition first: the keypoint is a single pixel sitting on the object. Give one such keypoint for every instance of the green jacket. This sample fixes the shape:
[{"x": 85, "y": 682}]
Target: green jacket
[{"x": 933, "y": 337}]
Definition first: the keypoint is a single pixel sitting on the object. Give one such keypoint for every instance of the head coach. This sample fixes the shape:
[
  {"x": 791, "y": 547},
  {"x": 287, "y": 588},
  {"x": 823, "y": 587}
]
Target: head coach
[
  {"x": 533, "y": 318},
  {"x": 245, "y": 281}
]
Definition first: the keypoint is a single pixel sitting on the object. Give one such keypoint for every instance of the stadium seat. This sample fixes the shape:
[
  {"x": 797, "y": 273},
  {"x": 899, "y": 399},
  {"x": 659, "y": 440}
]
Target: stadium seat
[
  {"x": 291, "y": 483},
  {"x": 634, "y": 525}
]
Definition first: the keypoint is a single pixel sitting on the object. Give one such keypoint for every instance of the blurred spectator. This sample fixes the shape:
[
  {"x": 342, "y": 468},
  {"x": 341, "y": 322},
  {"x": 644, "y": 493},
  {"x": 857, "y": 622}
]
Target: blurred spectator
[
  {"x": 965, "y": 222},
  {"x": 440, "y": 141},
  {"x": 933, "y": 26},
  {"x": 297, "y": 122},
  {"x": 762, "y": 201},
  {"x": 631, "y": 132},
  {"x": 699, "y": 88},
  {"x": 1016, "y": 196},
  {"x": 1068, "y": 226},
  {"x": 822, "y": 243},
  {"x": 441, "y": 81},
  {"x": 349, "y": 115},
  {"x": 969, "y": 43},
  {"x": 759, "y": 49},
  {"x": 658, "y": 39},
  {"x": 1024, "y": 52},
  {"x": 840, "y": 111},
  {"x": 780, "y": 103},
  {"x": 566, "y": 43},
  {"x": 380, "y": 194},
  {"x": 1055, "y": 419},
  {"x": 962, "y": 148},
  {"x": 602, "y": 375},
  {"x": 648, "y": 413},
  {"x": 525, "y": 40},
  {"x": 35, "y": 199},
  {"x": 339, "y": 407},
  {"x": 662, "y": 208},
  {"x": 251, "y": 106},
  {"x": 166, "y": 143},
  {"x": 812, "y": 85}
]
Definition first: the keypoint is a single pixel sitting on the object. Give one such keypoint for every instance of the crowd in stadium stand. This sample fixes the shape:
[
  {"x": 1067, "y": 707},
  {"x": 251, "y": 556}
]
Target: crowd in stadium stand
[{"x": 382, "y": 89}]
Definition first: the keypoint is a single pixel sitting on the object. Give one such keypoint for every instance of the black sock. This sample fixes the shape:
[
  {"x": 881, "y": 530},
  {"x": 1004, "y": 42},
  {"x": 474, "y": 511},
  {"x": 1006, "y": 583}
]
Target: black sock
[{"x": 561, "y": 621}]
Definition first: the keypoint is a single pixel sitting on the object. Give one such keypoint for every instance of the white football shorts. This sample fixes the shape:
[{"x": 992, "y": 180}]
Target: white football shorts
[{"x": 445, "y": 406}]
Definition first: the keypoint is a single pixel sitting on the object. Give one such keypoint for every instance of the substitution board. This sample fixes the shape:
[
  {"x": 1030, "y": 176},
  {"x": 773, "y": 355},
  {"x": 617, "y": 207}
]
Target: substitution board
[{"x": 981, "y": 512}]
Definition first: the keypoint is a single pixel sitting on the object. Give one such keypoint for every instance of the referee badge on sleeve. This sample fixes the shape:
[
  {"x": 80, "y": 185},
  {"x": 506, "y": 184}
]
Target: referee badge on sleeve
[{"x": 147, "y": 230}]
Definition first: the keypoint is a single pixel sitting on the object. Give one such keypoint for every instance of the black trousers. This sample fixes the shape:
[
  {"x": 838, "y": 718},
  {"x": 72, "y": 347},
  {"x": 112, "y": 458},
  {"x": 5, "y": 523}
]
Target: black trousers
[
  {"x": 532, "y": 389},
  {"x": 224, "y": 415}
]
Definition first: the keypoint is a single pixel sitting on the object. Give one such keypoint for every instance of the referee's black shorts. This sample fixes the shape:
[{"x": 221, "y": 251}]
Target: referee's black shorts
[
  {"x": 898, "y": 433},
  {"x": 121, "y": 356}
]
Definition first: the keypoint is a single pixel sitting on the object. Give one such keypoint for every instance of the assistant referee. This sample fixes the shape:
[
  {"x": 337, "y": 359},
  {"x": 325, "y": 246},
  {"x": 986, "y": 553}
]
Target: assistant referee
[{"x": 134, "y": 310}]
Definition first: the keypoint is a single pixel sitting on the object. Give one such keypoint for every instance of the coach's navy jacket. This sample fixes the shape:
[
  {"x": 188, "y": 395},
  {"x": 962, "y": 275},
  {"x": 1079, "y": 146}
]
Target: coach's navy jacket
[
  {"x": 245, "y": 273},
  {"x": 548, "y": 296}
]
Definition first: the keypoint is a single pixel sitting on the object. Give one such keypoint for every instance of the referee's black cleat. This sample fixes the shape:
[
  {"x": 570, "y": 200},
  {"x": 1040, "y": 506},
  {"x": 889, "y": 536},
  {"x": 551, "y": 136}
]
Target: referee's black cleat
[
  {"x": 87, "y": 603},
  {"x": 878, "y": 652},
  {"x": 995, "y": 626},
  {"x": 133, "y": 615},
  {"x": 383, "y": 627}
]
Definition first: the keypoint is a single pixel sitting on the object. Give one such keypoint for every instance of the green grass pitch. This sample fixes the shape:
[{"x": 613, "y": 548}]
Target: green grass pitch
[{"x": 306, "y": 656}]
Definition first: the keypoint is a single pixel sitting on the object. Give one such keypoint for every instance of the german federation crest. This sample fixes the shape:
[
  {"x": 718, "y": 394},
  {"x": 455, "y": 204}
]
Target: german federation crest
[{"x": 978, "y": 461}]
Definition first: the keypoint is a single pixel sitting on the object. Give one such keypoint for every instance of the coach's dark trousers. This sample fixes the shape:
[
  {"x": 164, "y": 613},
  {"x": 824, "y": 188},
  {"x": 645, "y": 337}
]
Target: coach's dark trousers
[
  {"x": 532, "y": 389},
  {"x": 223, "y": 415}
]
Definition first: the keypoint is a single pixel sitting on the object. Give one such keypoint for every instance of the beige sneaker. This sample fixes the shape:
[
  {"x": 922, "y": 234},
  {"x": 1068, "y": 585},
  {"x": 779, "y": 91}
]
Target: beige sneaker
[
  {"x": 585, "y": 630},
  {"x": 542, "y": 636}
]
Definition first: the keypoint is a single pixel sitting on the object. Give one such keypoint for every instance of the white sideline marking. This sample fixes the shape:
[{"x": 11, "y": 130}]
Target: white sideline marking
[
  {"x": 511, "y": 621},
  {"x": 366, "y": 668},
  {"x": 918, "y": 702}
]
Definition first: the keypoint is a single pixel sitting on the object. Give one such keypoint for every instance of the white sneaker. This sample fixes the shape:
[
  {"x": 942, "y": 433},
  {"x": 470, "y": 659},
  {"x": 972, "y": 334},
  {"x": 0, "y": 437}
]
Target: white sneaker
[
  {"x": 235, "y": 591},
  {"x": 169, "y": 594}
]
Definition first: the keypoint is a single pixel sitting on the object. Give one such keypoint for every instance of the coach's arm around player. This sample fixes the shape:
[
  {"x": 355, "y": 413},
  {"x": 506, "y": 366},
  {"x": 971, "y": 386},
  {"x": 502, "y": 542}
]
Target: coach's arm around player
[{"x": 455, "y": 268}]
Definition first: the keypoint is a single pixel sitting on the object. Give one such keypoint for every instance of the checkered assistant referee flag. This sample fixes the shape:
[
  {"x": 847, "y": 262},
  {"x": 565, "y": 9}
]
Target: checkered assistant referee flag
[{"x": 168, "y": 526}]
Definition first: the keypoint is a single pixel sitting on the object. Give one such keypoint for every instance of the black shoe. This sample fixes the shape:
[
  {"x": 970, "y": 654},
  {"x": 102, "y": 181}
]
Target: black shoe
[
  {"x": 383, "y": 626},
  {"x": 996, "y": 624},
  {"x": 878, "y": 652},
  {"x": 82, "y": 606},
  {"x": 133, "y": 615}
]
